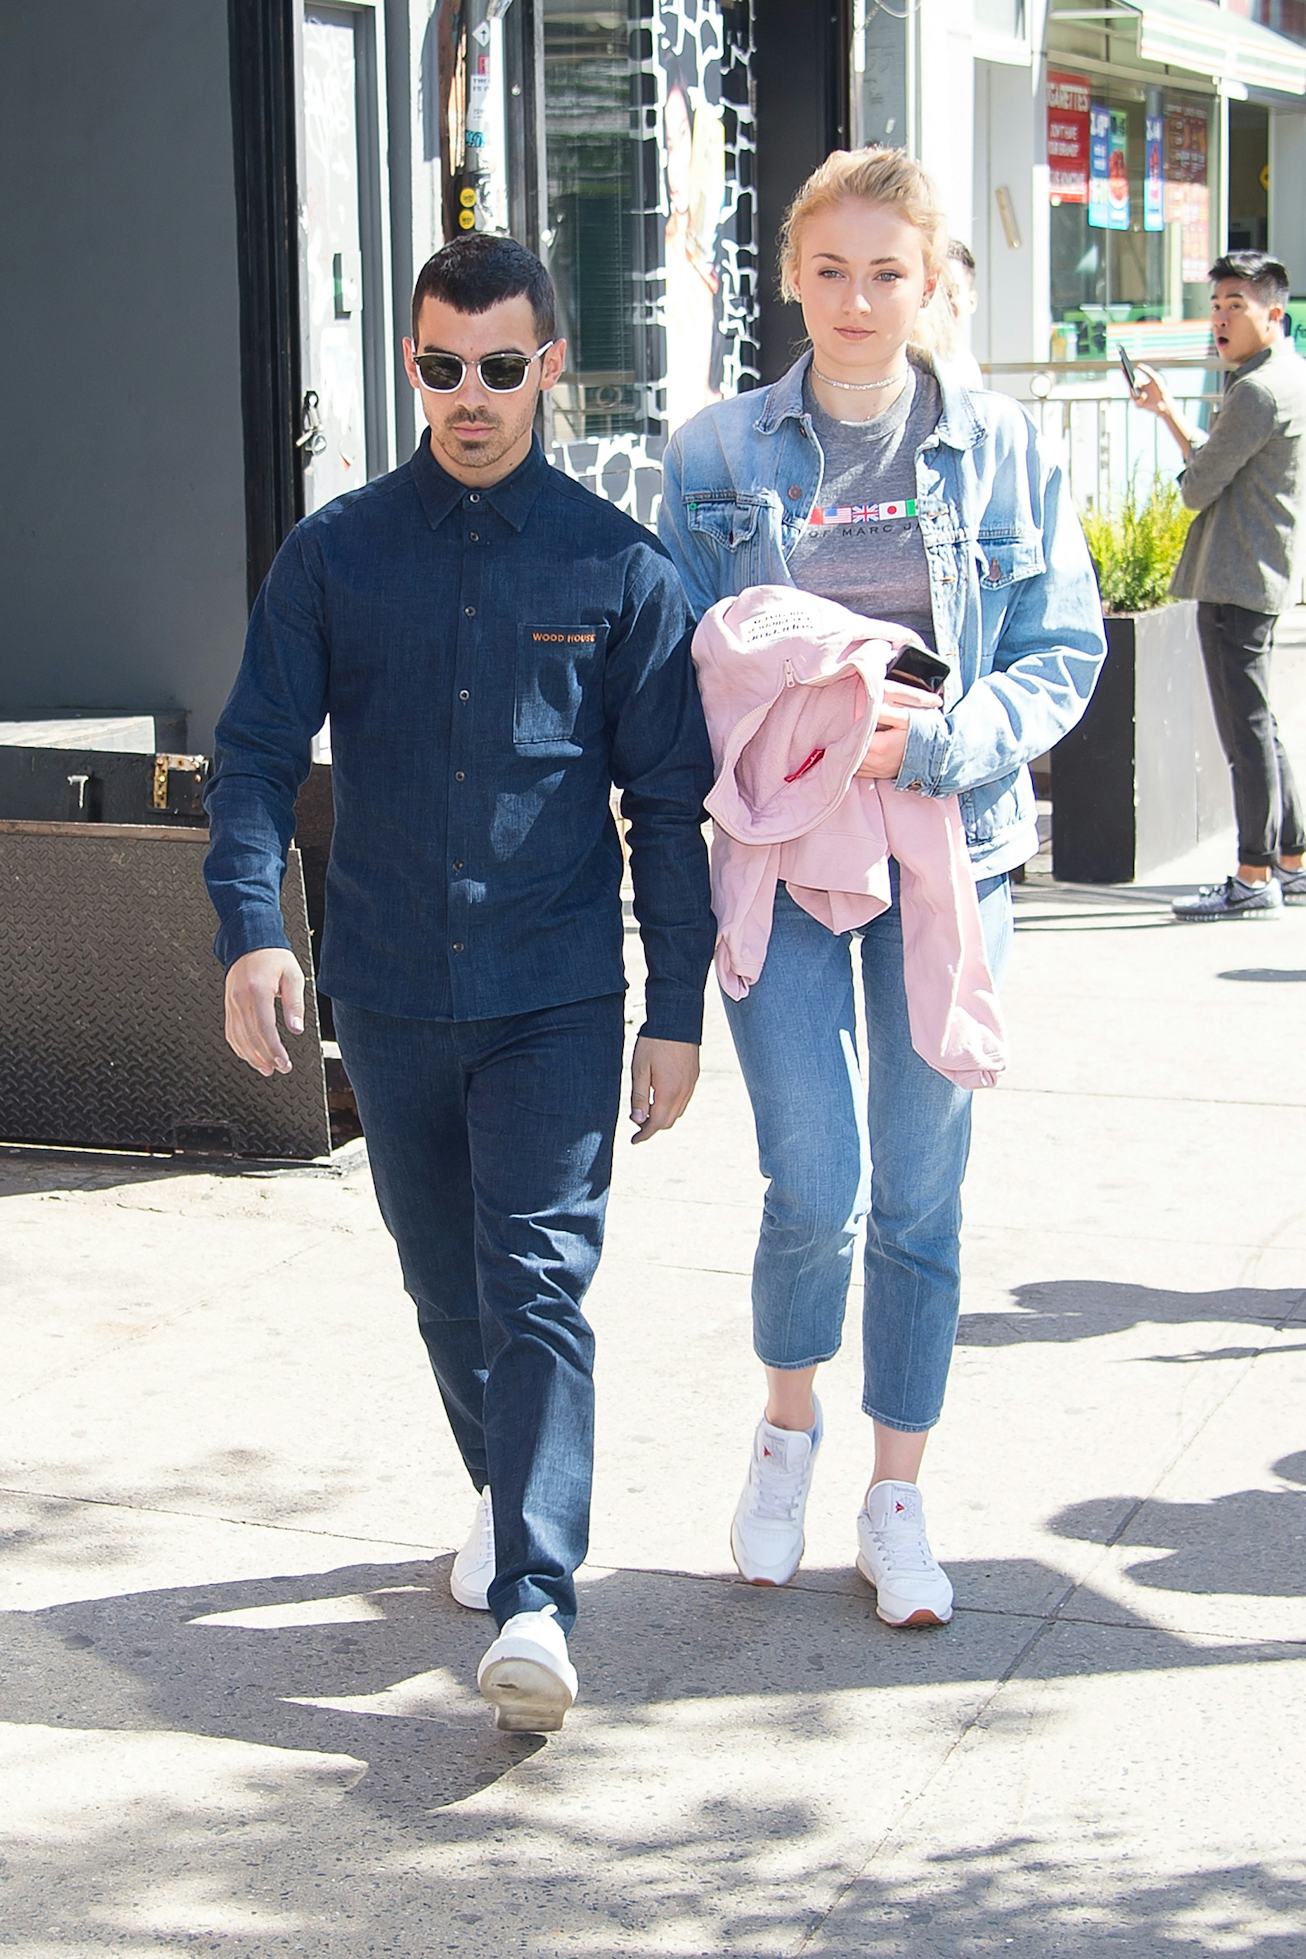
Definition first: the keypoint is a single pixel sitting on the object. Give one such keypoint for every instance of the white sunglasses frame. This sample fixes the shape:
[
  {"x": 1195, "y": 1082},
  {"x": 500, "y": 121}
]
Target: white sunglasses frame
[{"x": 467, "y": 365}]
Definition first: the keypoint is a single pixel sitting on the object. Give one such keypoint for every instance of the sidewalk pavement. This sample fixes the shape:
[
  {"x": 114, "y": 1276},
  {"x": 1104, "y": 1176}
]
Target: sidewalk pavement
[{"x": 238, "y": 1705}]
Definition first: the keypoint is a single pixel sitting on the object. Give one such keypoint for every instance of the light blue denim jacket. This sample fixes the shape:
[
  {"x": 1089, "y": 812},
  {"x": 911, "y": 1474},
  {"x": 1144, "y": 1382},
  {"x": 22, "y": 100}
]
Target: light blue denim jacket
[{"x": 1015, "y": 602}]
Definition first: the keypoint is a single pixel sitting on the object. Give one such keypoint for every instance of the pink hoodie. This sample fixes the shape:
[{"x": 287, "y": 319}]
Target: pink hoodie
[{"x": 792, "y": 686}]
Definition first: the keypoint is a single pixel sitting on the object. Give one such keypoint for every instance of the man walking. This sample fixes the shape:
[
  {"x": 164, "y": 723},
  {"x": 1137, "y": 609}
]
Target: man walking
[
  {"x": 1241, "y": 561},
  {"x": 496, "y": 648}
]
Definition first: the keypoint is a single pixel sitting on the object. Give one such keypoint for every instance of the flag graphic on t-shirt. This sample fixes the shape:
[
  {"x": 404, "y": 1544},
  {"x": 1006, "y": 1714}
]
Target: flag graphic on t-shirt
[{"x": 863, "y": 513}]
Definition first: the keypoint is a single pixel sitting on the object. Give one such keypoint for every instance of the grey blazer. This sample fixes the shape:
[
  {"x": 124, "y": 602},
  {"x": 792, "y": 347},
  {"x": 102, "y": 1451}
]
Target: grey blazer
[{"x": 1247, "y": 482}]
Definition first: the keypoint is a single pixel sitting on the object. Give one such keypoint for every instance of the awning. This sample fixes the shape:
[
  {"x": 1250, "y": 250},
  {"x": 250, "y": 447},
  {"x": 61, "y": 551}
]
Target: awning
[{"x": 1203, "y": 38}]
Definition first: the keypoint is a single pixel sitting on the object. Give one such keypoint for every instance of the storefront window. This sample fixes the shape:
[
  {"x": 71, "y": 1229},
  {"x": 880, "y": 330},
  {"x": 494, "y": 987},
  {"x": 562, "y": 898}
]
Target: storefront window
[
  {"x": 596, "y": 243},
  {"x": 1131, "y": 216}
]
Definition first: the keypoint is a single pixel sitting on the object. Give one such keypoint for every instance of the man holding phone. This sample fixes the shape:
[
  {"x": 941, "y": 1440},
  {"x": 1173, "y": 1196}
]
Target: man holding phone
[{"x": 1242, "y": 562}]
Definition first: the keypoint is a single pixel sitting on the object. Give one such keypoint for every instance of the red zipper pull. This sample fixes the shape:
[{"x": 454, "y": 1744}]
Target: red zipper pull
[{"x": 816, "y": 755}]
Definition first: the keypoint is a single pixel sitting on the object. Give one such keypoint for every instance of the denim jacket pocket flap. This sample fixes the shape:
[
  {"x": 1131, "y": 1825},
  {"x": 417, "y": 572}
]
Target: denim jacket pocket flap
[
  {"x": 729, "y": 518},
  {"x": 1007, "y": 556}
]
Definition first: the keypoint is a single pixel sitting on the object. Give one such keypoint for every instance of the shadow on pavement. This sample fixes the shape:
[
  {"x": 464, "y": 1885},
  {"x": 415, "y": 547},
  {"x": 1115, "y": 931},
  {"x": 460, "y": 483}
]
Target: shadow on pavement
[
  {"x": 1262, "y": 974},
  {"x": 365, "y": 1769},
  {"x": 1250, "y": 1543},
  {"x": 1058, "y": 1310}
]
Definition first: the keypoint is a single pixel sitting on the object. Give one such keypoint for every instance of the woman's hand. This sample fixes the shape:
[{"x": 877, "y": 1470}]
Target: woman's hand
[{"x": 888, "y": 744}]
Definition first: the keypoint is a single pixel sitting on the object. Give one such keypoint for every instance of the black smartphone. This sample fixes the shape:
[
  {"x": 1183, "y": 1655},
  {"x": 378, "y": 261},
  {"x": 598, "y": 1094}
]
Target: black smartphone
[
  {"x": 920, "y": 667},
  {"x": 1131, "y": 372}
]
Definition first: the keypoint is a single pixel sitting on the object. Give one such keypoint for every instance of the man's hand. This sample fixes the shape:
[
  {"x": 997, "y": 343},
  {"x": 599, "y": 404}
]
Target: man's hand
[
  {"x": 254, "y": 985},
  {"x": 662, "y": 1078},
  {"x": 1151, "y": 394}
]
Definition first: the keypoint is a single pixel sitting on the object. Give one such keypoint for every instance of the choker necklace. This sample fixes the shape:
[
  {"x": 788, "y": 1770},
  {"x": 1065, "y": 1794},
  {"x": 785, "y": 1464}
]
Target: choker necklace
[{"x": 856, "y": 387}]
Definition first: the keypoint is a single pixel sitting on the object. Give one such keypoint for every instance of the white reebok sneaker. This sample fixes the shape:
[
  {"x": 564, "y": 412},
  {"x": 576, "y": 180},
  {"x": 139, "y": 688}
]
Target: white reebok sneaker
[
  {"x": 473, "y": 1568},
  {"x": 894, "y": 1555},
  {"x": 766, "y": 1536},
  {"x": 526, "y": 1675}
]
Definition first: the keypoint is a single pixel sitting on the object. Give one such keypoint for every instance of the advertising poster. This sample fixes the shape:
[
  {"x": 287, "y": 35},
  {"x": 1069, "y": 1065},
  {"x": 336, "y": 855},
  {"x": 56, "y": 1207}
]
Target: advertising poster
[
  {"x": 1153, "y": 177},
  {"x": 1070, "y": 100},
  {"x": 1187, "y": 196},
  {"x": 1099, "y": 165},
  {"x": 1118, "y": 173}
]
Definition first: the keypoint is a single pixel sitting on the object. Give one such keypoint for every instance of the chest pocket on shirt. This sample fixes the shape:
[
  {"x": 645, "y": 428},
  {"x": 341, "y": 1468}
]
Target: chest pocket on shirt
[
  {"x": 726, "y": 518},
  {"x": 558, "y": 692},
  {"x": 1005, "y": 557}
]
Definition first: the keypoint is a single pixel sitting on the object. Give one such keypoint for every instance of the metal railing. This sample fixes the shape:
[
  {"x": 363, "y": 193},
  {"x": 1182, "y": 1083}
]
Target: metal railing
[{"x": 1107, "y": 444}]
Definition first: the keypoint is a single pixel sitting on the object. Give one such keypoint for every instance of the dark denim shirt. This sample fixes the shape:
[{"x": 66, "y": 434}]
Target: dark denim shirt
[{"x": 492, "y": 661}]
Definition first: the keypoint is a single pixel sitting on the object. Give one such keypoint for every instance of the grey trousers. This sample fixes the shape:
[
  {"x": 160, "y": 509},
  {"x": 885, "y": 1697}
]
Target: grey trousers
[{"x": 1236, "y": 647}]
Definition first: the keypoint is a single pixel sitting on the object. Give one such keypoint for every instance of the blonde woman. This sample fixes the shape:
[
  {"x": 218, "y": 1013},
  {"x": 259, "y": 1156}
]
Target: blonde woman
[{"x": 865, "y": 477}]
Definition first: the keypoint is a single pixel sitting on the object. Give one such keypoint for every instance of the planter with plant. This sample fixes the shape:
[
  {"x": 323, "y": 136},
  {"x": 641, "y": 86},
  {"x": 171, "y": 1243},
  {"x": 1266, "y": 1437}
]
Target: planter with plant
[{"x": 1141, "y": 780}]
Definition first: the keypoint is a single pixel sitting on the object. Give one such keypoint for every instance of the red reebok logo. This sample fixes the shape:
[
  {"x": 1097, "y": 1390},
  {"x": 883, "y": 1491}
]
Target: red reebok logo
[
  {"x": 898, "y": 1506},
  {"x": 765, "y": 1450}
]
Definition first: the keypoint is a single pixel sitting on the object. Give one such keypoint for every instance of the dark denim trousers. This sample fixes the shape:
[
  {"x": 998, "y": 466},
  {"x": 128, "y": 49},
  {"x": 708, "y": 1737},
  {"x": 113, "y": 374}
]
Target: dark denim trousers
[
  {"x": 490, "y": 1143},
  {"x": 1236, "y": 649}
]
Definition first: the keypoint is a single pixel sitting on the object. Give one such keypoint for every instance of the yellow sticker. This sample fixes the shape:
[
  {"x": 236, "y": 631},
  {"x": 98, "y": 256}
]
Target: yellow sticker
[
  {"x": 467, "y": 198},
  {"x": 466, "y": 220}
]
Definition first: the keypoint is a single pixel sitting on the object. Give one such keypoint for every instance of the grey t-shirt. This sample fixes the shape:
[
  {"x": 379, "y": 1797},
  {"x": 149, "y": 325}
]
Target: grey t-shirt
[{"x": 862, "y": 544}]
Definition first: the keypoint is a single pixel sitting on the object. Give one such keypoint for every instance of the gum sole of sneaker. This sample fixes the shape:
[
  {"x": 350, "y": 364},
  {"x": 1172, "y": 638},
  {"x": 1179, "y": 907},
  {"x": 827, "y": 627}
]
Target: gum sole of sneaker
[
  {"x": 771, "y": 1584},
  {"x": 923, "y": 1617},
  {"x": 526, "y": 1697}
]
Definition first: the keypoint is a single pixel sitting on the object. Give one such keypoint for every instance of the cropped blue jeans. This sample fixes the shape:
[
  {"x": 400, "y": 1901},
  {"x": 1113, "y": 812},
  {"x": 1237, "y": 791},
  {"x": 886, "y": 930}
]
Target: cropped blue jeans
[{"x": 833, "y": 1140}]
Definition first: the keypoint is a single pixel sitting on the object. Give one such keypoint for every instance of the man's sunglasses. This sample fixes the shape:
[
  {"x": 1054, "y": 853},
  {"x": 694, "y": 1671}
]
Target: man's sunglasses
[{"x": 502, "y": 374}]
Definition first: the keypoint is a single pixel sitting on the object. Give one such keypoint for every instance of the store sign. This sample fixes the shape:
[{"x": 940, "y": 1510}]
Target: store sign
[
  {"x": 1118, "y": 173},
  {"x": 1099, "y": 165},
  {"x": 1108, "y": 168},
  {"x": 1070, "y": 99},
  {"x": 1153, "y": 176},
  {"x": 1187, "y": 196}
]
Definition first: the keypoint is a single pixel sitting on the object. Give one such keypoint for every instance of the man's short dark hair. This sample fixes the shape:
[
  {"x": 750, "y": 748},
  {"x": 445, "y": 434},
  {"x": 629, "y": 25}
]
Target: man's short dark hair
[
  {"x": 962, "y": 254},
  {"x": 1267, "y": 277},
  {"x": 476, "y": 271}
]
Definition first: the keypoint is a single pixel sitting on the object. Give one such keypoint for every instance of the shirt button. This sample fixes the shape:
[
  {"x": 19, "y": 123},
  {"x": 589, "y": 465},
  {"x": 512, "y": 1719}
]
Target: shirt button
[
  {"x": 457, "y": 945},
  {"x": 475, "y": 536},
  {"x": 469, "y": 612},
  {"x": 458, "y": 776},
  {"x": 463, "y": 694},
  {"x": 457, "y": 863},
  {"x": 795, "y": 491},
  {"x": 474, "y": 496}
]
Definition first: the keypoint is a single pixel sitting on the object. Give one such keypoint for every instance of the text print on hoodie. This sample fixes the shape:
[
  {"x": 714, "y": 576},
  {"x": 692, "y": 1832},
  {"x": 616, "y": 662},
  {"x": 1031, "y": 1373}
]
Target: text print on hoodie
[{"x": 792, "y": 686}]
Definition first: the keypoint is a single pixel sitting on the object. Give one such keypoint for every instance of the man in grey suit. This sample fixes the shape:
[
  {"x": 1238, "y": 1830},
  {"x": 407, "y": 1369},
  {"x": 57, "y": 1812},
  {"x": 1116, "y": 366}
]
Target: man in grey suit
[{"x": 1242, "y": 563}]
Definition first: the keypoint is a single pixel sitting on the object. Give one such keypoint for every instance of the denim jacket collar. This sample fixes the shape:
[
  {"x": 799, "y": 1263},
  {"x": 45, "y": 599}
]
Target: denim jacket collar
[
  {"x": 961, "y": 424},
  {"x": 514, "y": 497}
]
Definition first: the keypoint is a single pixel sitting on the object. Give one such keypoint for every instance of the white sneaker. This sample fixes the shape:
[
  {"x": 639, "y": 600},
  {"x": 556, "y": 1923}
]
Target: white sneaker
[
  {"x": 894, "y": 1555},
  {"x": 473, "y": 1569},
  {"x": 526, "y": 1675},
  {"x": 766, "y": 1536}
]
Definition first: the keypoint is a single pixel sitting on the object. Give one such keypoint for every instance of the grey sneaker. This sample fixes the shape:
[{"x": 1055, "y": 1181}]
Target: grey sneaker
[
  {"x": 1232, "y": 899},
  {"x": 1292, "y": 885}
]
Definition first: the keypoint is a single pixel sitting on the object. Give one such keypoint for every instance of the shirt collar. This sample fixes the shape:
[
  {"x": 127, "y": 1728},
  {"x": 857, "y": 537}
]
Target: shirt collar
[
  {"x": 1257, "y": 360},
  {"x": 514, "y": 497}
]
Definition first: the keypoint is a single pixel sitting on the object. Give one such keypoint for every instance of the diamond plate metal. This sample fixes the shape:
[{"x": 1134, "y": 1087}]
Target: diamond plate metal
[{"x": 111, "y": 1001}]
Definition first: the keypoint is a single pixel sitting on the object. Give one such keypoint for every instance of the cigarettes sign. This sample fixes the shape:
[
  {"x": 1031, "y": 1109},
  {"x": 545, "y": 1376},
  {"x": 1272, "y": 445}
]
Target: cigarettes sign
[{"x": 1070, "y": 98}]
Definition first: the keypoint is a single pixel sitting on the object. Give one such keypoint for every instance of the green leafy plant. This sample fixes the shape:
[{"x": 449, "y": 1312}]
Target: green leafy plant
[{"x": 1136, "y": 550}]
